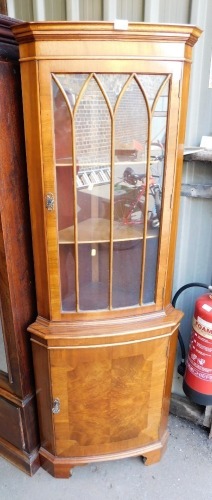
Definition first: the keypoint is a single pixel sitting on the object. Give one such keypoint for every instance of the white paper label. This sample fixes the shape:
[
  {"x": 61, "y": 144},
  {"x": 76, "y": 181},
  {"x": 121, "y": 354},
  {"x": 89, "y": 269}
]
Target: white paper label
[{"x": 120, "y": 24}]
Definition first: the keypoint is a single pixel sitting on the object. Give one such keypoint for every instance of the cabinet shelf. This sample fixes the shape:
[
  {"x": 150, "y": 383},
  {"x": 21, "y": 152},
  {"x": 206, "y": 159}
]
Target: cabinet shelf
[
  {"x": 98, "y": 231},
  {"x": 121, "y": 297}
]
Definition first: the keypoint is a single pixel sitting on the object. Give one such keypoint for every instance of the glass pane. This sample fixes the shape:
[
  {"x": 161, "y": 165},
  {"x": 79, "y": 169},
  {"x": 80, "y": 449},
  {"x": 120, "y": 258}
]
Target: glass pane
[
  {"x": 157, "y": 152},
  {"x": 3, "y": 360},
  {"x": 62, "y": 125},
  {"x": 151, "y": 85},
  {"x": 150, "y": 268},
  {"x": 72, "y": 85},
  {"x": 113, "y": 84},
  {"x": 127, "y": 256},
  {"x": 65, "y": 205},
  {"x": 93, "y": 153},
  {"x": 67, "y": 275},
  {"x": 89, "y": 110},
  {"x": 131, "y": 134}
]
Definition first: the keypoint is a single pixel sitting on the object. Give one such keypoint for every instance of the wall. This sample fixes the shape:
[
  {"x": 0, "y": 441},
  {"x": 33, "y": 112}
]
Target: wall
[
  {"x": 193, "y": 261},
  {"x": 198, "y": 12}
]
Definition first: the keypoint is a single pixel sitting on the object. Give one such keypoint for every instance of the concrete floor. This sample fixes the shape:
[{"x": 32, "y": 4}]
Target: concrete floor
[{"x": 184, "y": 473}]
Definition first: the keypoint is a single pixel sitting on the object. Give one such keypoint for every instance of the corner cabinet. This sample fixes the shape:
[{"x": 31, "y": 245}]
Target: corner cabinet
[{"x": 104, "y": 118}]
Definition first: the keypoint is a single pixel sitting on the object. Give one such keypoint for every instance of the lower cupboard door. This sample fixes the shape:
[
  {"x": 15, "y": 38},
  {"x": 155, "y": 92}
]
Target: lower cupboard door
[{"x": 110, "y": 397}]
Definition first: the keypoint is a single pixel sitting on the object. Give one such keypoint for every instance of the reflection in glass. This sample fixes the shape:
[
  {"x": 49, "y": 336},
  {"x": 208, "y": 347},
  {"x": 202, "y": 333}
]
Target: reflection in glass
[
  {"x": 93, "y": 153},
  {"x": 72, "y": 85},
  {"x": 131, "y": 132},
  {"x": 62, "y": 125},
  {"x": 67, "y": 276},
  {"x": 110, "y": 137},
  {"x": 151, "y": 85},
  {"x": 113, "y": 85},
  {"x": 3, "y": 360},
  {"x": 65, "y": 205},
  {"x": 157, "y": 155}
]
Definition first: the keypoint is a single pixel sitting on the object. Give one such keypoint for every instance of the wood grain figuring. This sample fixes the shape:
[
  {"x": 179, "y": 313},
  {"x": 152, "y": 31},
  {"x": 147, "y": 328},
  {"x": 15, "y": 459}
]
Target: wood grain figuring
[
  {"x": 108, "y": 361},
  {"x": 108, "y": 396},
  {"x": 16, "y": 252},
  {"x": 101, "y": 30},
  {"x": 171, "y": 353},
  {"x": 3, "y": 7},
  {"x": 61, "y": 467},
  {"x": 19, "y": 431},
  {"x": 122, "y": 328},
  {"x": 44, "y": 397},
  {"x": 27, "y": 462},
  {"x": 13, "y": 433},
  {"x": 29, "y": 78},
  {"x": 22, "y": 431}
]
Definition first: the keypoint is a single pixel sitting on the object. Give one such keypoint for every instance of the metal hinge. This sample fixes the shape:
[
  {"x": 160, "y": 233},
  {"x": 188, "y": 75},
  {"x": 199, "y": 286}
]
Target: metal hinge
[
  {"x": 50, "y": 201},
  {"x": 56, "y": 406}
]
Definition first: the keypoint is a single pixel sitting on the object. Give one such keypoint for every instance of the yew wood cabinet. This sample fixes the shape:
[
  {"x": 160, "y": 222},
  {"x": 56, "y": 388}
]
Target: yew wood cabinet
[{"x": 104, "y": 113}]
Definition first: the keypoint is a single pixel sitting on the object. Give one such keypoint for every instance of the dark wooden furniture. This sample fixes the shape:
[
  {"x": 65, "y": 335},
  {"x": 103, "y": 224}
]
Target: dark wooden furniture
[
  {"x": 18, "y": 416},
  {"x": 105, "y": 336}
]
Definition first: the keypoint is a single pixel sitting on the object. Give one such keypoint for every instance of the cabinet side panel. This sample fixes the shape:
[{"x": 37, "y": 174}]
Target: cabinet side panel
[
  {"x": 7, "y": 318},
  {"x": 43, "y": 394},
  {"x": 30, "y": 85},
  {"x": 17, "y": 280},
  {"x": 13, "y": 432},
  {"x": 168, "y": 383}
]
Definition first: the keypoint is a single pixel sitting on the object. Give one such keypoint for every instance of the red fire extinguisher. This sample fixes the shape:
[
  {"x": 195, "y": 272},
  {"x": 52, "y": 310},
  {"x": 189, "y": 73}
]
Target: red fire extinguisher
[
  {"x": 197, "y": 383},
  {"x": 197, "y": 371}
]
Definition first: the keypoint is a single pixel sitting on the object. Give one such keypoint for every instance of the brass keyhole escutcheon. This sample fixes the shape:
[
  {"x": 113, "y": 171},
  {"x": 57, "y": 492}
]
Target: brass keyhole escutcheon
[
  {"x": 56, "y": 406},
  {"x": 50, "y": 202}
]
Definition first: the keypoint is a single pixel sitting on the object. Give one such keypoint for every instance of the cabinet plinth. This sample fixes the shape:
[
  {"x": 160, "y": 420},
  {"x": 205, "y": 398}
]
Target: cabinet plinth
[{"x": 102, "y": 135}]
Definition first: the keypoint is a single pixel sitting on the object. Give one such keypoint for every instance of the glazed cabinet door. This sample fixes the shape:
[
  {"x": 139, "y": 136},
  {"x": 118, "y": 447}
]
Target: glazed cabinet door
[{"x": 109, "y": 145}]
